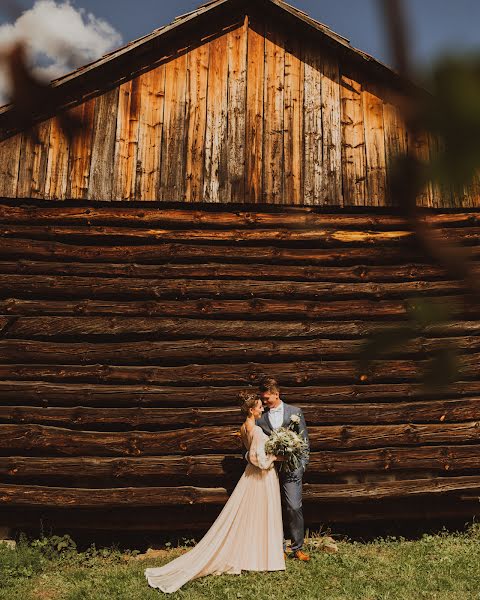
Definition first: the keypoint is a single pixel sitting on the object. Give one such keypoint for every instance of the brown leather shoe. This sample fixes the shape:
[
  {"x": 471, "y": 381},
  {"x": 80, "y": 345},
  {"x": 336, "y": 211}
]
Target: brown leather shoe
[
  {"x": 285, "y": 555},
  {"x": 301, "y": 555}
]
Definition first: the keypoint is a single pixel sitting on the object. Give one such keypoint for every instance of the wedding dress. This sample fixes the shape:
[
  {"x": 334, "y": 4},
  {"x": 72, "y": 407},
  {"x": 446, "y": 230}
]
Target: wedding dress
[{"x": 247, "y": 535}]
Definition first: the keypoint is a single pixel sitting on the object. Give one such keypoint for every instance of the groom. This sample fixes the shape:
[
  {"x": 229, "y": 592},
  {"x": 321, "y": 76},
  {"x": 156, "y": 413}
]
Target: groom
[{"x": 278, "y": 414}]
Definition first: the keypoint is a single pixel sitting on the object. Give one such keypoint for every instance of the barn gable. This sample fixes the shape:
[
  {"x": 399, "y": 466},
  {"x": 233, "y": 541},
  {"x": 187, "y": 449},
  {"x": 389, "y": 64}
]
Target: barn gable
[{"x": 236, "y": 102}]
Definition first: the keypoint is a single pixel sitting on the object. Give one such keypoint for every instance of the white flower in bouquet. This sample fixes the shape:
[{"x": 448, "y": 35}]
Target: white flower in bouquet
[
  {"x": 289, "y": 444},
  {"x": 295, "y": 419}
]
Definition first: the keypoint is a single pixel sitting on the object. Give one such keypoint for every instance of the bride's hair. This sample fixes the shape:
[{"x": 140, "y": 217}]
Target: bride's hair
[{"x": 247, "y": 400}]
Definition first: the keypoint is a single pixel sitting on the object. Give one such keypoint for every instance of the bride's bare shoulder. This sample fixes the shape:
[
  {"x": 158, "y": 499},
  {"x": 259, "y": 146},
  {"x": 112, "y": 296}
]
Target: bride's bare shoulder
[{"x": 247, "y": 429}]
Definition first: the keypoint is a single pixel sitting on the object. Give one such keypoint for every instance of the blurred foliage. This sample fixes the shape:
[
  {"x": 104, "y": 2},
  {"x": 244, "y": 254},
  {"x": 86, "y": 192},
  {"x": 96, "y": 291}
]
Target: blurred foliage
[{"x": 452, "y": 113}]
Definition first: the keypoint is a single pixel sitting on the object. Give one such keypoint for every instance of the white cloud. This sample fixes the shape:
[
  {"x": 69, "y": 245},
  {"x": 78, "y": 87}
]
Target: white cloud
[{"x": 59, "y": 38}]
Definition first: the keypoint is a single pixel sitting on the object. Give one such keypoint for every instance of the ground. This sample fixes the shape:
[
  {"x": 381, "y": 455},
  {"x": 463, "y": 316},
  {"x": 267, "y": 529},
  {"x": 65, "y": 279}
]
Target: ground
[{"x": 442, "y": 566}]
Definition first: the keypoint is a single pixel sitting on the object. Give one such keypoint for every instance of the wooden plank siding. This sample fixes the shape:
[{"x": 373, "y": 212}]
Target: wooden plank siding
[
  {"x": 254, "y": 113},
  {"x": 129, "y": 331},
  {"x": 354, "y": 166}
]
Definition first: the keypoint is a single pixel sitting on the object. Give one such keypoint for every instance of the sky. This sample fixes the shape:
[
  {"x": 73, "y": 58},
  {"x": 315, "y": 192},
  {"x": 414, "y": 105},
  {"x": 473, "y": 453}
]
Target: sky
[{"x": 93, "y": 27}]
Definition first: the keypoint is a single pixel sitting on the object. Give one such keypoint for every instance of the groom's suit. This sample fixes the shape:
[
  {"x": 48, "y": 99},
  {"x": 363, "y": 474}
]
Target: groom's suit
[{"x": 291, "y": 483}]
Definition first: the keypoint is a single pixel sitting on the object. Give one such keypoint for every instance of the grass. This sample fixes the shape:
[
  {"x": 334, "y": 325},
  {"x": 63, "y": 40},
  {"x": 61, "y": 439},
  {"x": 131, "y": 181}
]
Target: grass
[{"x": 440, "y": 566}]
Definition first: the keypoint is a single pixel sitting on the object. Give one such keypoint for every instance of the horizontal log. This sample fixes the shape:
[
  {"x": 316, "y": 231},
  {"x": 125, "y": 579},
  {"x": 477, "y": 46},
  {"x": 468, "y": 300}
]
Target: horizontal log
[
  {"x": 213, "y": 216},
  {"x": 19, "y": 439},
  {"x": 256, "y": 308},
  {"x": 64, "y": 327},
  {"x": 445, "y": 411},
  {"x": 311, "y": 237},
  {"x": 206, "y": 253},
  {"x": 43, "y": 393},
  {"x": 317, "y": 237},
  {"x": 176, "y": 352},
  {"x": 299, "y": 373},
  {"x": 168, "y": 469},
  {"x": 352, "y": 518},
  {"x": 266, "y": 272},
  {"x": 152, "y": 289},
  {"x": 296, "y": 373},
  {"x": 34, "y": 495},
  {"x": 182, "y": 521}
]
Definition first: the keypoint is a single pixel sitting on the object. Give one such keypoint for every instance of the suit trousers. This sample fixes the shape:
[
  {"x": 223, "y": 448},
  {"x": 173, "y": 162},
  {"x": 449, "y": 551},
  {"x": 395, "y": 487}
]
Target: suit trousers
[{"x": 291, "y": 491}]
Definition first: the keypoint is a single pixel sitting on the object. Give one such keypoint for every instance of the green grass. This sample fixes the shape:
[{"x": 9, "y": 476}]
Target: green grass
[{"x": 441, "y": 566}]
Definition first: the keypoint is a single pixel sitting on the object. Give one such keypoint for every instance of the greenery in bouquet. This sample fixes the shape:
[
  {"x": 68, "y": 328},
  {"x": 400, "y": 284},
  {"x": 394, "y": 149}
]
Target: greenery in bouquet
[{"x": 289, "y": 444}]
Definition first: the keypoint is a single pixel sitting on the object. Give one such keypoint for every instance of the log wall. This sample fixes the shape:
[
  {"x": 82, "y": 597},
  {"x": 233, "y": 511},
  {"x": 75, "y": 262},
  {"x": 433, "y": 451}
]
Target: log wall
[
  {"x": 252, "y": 111},
  {"x": 127, "y": 331}
]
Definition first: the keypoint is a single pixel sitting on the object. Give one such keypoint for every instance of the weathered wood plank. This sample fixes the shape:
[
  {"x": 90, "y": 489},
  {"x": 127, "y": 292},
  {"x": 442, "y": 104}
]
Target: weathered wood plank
[
  {"x": 293, "y": 126},
  {"x": 197, "y": 82},
  {"x": 313, "y": 116},
  {"x": 216, "y": 137},
  {"x": 175, "y": 126},
  {"x": 150, "y": 126},
  {"x": 9, "y": 165},
  {"x": 419, "y": 146},
  {"x": 33, "y": 162},
  {"x": 395, "y": 140},
  {"x": 126, "y": 140},
  {"x": 236, "y": 108},
  {"x": 81, "y": 152},
  {"x": 254, "y": 113},
  {"x": 57, "y": 162},
  {"x": 273, "y": 118},
  {"x": 331, "y": 187},
  {"x": 375, "y": 144},
  {"x": 354, "y": 167},
  {"x": 103, "y": 146}
]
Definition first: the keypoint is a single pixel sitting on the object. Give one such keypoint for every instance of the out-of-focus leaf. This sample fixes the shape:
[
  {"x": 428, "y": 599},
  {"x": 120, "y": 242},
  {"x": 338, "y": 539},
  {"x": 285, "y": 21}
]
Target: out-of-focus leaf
[
  {"x": 425, "y": 311},
  {"x": 32, "y": 97},
  {"x": 453, "y": 114},
  {"x": 383, "y": 342},
  {"x": 442, "y": 369}
]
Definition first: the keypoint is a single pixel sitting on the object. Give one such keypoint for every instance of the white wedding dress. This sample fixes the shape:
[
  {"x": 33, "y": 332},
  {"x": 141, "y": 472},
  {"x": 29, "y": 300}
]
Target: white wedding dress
[{"x": 246, "y": 536}]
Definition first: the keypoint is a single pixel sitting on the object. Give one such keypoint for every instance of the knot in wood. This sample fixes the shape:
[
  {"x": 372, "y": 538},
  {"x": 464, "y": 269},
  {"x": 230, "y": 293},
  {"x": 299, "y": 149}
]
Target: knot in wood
[
  {"x": 183, "y": 446},
  {"x": 120, "y": 467},
  {"x": 204, "y": 306},
  {"x": 361, "y": 271},
  {"x": 344, "y": 434}
]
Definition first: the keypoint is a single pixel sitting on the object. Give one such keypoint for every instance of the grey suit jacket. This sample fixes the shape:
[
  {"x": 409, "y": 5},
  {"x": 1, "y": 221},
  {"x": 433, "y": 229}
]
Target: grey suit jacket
[{"x": 288, "y": 411}]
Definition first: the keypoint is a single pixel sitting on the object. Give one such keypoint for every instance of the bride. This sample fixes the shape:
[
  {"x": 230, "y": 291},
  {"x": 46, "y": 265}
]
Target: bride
[{"x": 247, "y": 535}]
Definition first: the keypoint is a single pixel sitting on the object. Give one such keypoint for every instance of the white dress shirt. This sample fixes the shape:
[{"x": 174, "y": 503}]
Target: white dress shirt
[{"x": 275, "y": 416}]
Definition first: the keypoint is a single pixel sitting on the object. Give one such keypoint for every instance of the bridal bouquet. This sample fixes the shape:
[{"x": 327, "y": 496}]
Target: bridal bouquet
[{"x": 286, "y": 442}]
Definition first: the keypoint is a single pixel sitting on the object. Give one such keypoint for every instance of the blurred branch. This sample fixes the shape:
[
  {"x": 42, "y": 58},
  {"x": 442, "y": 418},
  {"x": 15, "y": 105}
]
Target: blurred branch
[{"x": 410, "y": 175}]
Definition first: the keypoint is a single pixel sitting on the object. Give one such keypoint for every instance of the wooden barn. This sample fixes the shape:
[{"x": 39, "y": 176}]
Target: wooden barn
[{"x": 224, "y": 213}]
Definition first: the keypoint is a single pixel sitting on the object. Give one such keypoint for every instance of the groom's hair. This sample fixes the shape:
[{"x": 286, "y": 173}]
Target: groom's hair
[{"x": 269, "y": 384}]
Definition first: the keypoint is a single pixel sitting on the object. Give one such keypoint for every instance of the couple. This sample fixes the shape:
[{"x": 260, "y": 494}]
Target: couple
[{"x": 248, "y": 533}]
